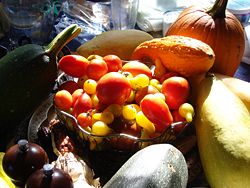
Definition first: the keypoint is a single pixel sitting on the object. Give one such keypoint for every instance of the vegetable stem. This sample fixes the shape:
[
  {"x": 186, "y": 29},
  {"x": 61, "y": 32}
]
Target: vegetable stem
[
  {"x": 64, "y": 37},
  {"x": 218, "y": 10}
]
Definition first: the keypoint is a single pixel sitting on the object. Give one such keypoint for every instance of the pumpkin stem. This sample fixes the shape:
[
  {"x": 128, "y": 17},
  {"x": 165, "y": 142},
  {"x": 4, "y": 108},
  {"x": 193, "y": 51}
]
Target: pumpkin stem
[{"x": 218, "y": 10}]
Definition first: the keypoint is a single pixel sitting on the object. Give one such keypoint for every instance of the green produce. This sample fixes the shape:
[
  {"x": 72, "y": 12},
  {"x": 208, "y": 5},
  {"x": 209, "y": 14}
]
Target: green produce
[
  {"x": 222, "y": 124},
  {"x": 27, "y": 76},
  {"x": 159, "y": 165}
]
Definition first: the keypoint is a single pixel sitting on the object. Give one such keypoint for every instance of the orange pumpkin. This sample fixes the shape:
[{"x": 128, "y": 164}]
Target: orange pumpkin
[{"x": 217, "y": 27}]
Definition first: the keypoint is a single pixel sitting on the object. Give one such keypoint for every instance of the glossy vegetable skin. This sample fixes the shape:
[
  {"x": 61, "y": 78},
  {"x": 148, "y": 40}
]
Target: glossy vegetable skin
[{"x": 27, "y": 76}]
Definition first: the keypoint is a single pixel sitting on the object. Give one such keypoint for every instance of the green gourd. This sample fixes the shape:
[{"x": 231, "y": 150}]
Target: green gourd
[
  {"x": 155, "y": 166},
  {"x": 27, "y": 77}
]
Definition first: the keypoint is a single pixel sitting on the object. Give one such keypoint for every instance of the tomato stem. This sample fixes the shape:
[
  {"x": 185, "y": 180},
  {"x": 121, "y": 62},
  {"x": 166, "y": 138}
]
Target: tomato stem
[{"x": 218, "y": 10}]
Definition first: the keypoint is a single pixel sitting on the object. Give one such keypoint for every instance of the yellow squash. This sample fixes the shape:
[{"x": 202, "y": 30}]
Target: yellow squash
[
  {"x": 222, "y": 125},
  {"x": 240, "y": 87}
]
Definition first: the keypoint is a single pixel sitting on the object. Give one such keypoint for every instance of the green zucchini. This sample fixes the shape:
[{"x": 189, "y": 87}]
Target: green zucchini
[{"x": 27, "y": 77}]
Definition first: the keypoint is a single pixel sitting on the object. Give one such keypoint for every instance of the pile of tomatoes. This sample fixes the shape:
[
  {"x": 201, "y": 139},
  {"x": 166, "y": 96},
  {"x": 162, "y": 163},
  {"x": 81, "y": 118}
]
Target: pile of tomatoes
[{"x": 110, "y": 96}]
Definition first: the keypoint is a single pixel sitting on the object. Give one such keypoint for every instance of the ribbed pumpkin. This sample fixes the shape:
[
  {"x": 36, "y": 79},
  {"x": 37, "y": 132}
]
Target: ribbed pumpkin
[{"x": 217, "y": 27}]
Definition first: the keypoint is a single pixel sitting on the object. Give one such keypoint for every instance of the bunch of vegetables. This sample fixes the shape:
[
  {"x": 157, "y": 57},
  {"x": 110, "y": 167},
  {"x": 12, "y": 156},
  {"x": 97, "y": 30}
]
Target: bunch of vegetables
[{"x": 109, "y": 96}]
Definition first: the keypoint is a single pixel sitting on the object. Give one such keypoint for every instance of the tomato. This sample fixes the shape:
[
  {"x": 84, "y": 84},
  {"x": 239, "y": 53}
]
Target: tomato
[
  {"x": 136, "y": 67},
  {"x": 69, "y": 85},
  {"x": 122, "y": 143},
  {"x": 96, "y": 69},
  {"x": 82, "y": 104},
  {"x": 63, "y": 100},
  {"x": 81, "y": 80},
  {"x": 178, "y": 118},
  {"x": 156, "y": 110},
  {"x": 143, "y": 92},
  {"x": 84, "y": 119},
  {"x": 76, "y": 94},
  {"x": 114, "y": 63},
  {"x": 73, "y": 65},
  {"x": 176, "y": 90},
  {"x": 94, "y": 56},
  {"x": 113, "y": 88}
]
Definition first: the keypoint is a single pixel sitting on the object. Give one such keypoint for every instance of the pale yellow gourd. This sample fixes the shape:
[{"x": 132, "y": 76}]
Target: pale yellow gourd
[{"x": 222, "y": 125}]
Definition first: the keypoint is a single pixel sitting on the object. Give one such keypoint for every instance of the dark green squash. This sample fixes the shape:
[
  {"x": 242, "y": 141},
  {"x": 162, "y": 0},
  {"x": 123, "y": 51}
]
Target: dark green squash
[
  {"x": 156, "y": 166},
  {"x": 27, "y": 76}
]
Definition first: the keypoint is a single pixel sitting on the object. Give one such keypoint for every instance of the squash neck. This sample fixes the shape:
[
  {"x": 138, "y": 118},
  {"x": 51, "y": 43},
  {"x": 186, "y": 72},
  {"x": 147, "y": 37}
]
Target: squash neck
[
  {"x": 218, "y": 10},
  {"x": 64, "y": 37}
]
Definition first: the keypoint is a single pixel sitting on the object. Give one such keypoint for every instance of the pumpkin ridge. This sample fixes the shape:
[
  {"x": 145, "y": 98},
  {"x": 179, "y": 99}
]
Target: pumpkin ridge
[{"x": 225, "y": 35}]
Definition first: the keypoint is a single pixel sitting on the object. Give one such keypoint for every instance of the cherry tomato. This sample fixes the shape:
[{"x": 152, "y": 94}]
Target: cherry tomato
[
  {"x": 69, "y": 85},
  {"x": 96, "y": 69},
  {"x": 82, "y": 104},
  {"x": 84, "y": 119},
  {"x": 156, "y": 110},
  {"x": 143, "y": 92},
  {"x": 73, "y": 65},
  {"x": 176, "y": 90},
  {"x": 76, "y": 94},
  {"x": 178, "y": 118},
  {"x": 114, "y": 63},
  {"x": 113, "y": 88},
  {"x": 136, "y": 67},
  {"x": 63, "y": 100}
]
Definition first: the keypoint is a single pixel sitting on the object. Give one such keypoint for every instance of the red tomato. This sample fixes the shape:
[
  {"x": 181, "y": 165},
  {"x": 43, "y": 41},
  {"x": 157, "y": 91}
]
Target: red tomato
[
  {"x": 73, "y": 65},
  {"x": 82, "y": 104},
  {"x": 143, "y": 92},
  {"x": 136, "y": 67},
  {"x": 113, "y": 88},
  {"x": 63, "y": 100},
  {"x": 156, "y": 110},
  {"x": 96, "y": 69},
  {"x": 69, "y": 85},
  {"x": 178, "y": 118},
  {"x": 176, "y": 90},
  {"x": 76, "y": 94},
  {"x": 114, "y": 63}
]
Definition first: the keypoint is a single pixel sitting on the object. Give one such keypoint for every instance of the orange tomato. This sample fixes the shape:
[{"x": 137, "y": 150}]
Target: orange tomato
[
  {"x": 96, "y": 69},
  {"x": 113, "y": 88},
  {"x": 136, "y": 67},
  {"x": 114, "y": 63},
  {"x": 63, "y": 100},
  {"x": 84, "y": 119},
  {"x": 176, "y": 90}
]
